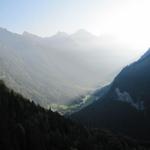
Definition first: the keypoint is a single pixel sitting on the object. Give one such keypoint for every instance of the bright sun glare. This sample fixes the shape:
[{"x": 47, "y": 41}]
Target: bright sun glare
[{"x": 129, "y": 22}]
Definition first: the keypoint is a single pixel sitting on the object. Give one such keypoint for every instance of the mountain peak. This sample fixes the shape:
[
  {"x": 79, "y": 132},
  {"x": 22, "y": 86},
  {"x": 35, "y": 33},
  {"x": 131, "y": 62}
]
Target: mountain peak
[
  {"x": 4, "y": 30},
  {"x": 4, "y": 33},
  {"x": 82, "y": 35},
  {"x": 60, "y": 35},
  {"x": 26, "y": 33},
  {"x": 30, "y": 35},
  {"x": 82, "y": 32}
]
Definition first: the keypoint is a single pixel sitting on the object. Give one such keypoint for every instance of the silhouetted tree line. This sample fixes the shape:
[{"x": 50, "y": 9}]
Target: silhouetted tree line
[{"x": 26, "y": 126}]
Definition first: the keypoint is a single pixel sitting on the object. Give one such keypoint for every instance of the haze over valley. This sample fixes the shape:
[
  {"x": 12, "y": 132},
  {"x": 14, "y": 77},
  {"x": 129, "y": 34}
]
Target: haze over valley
[
  {"x": 60, "y": 68},
  {"x": 75, "y": 75}
]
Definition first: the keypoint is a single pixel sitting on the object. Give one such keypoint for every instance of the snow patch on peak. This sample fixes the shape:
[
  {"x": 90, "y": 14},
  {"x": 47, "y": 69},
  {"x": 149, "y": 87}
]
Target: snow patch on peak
[{"x": 125, "y": 97}]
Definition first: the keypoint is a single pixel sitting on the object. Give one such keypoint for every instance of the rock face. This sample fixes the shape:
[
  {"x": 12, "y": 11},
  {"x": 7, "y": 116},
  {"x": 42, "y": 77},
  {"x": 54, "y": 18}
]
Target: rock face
[{"x": 125, "y": 107}]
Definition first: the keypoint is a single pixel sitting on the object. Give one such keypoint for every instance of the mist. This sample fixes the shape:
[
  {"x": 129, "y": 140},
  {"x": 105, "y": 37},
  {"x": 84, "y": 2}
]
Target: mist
[{"x": 60, "y": 68}]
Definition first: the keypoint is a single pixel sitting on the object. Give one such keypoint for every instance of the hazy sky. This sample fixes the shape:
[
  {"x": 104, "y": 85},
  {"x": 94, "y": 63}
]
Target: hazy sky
[{"x": 127, "y": 19}]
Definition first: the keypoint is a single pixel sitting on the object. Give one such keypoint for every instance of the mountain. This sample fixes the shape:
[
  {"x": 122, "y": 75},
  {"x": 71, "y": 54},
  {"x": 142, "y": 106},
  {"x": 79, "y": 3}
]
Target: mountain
[
  {"x": 125, "y": 107},
  {"x": 59, "y": 69},
  {"x": 39, "y": 71},
  {"x": 25, "y": 125},
  {"x": 83, "y": 101},
  {"x": 146, "y": 54},
  {"x": 84, "y": 37}
]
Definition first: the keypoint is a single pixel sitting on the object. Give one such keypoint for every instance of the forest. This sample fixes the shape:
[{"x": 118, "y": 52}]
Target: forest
[{"x": 25, "y": 126}]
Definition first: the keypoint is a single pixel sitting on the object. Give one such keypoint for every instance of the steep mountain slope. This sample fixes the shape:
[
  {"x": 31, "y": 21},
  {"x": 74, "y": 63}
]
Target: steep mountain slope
[
  {"x": 57, "y": 69},
  {"x": 41, "y": 72},
  {"x": 27, "y": 126},
  {"x": 125, "y": 107}
]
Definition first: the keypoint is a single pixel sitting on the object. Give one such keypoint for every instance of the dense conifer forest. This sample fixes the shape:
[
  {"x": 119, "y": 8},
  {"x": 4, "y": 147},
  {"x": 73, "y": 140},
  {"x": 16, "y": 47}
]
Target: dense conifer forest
[{"x": 26, "y": 126}]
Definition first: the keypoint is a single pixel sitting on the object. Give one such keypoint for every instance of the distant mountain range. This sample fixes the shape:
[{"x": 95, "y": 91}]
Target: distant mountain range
[
  {"x": 57, "y": 69},
  {"x": 125, "y": 107}
]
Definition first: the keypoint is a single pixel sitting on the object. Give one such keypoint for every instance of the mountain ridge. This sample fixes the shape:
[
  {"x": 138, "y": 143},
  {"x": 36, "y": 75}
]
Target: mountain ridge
[
  {"x": 56, "y": 70},
  {"x": 125, "y": 107}
]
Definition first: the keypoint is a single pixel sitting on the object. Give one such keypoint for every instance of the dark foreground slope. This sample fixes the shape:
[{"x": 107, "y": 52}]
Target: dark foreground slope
[
  {"x": 126, "y": 106},
  {"x": 25, "y": 126}
]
